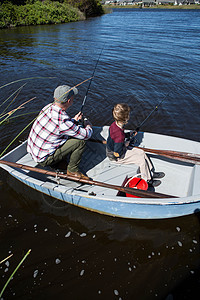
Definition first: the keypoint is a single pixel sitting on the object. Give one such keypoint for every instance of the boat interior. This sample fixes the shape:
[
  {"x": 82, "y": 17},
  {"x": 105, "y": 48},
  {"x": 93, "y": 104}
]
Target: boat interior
[{"x": 181, "y": 178}]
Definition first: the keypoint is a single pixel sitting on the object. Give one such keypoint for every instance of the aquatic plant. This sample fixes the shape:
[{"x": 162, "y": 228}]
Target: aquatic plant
[
  {"x": 5, "y": 114},
  {"x": 15, "y": 270},
  {"x": 8, "y": 114},
  {"x": 6, "y": 258}
]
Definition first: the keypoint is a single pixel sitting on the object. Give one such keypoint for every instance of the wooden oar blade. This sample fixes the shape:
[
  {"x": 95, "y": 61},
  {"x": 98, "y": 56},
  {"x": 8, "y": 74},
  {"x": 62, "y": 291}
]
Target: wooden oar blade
[
  {"x": 176, "y": 155},
  {"x": 182, "y": 156},
  {"x": 187, "y": 160}
]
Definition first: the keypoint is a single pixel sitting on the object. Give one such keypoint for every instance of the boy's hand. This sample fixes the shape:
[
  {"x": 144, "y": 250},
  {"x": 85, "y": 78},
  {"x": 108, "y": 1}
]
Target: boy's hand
[
  {"x": 133, "y": 133},
  {"x": 87, "y": 123}
]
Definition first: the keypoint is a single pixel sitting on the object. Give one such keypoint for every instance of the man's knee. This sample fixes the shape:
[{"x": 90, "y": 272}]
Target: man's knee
[
  {"x": 74, "y": 143},
  {"x": 81, "y": 143}
]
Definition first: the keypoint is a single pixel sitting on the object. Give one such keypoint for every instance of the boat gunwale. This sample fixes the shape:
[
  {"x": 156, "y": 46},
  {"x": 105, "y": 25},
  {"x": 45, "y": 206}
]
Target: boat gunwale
[
  {"x": 136, "y": 215},
  {"x": 119, "y": 199},
  {"x": 132, "y": 200}
]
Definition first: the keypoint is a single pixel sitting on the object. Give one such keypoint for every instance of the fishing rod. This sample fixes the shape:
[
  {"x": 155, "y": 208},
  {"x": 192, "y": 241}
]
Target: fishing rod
[
  {"x": 132, "y": 138},
  {"x": 155, "y": 109},
  {"x": 85, "y": 98}
]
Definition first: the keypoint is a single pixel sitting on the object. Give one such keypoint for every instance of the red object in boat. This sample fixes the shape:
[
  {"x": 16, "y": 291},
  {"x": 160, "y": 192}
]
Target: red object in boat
[{"x": 137, "y": 183}]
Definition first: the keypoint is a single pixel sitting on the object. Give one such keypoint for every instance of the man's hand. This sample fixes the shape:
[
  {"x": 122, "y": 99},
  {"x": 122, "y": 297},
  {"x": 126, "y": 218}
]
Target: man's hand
[{"x": 78, "y": 116}]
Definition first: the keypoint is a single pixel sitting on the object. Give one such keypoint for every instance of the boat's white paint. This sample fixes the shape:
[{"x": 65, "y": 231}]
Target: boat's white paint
[{"x": 182, "y": 179}]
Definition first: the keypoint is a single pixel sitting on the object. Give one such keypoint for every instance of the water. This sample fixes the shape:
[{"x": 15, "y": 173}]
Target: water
[{"x": 148, "y": 56}]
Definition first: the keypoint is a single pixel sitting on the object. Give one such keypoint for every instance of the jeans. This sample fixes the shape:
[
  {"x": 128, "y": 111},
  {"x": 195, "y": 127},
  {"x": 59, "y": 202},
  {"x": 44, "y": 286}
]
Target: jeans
[{"x": 74, "y": 148}]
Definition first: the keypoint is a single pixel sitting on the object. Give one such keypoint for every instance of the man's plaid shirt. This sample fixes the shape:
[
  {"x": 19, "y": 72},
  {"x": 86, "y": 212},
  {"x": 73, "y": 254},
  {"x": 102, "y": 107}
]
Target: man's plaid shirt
[{"x": 51, "y": 130}]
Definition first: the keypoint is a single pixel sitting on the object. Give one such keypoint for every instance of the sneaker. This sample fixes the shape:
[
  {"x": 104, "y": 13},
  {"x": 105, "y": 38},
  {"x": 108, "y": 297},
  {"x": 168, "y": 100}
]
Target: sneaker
[
  {"x": 158, "y": 174},
  {"x": 77, "y": 175},
  {"x": 154, "y": 183}
]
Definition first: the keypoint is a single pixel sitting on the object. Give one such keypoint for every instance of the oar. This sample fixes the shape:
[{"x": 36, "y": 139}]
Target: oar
[
  {"x": 177, "y": 155},
  {"x": 135, "y": 192}
]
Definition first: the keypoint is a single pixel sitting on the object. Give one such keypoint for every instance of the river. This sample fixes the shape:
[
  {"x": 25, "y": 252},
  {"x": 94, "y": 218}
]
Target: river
[{"x": 148, "y": 55}]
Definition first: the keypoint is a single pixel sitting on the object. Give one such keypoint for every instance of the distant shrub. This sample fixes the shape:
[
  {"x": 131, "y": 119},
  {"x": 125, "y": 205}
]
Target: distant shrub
[{"x": 37, "y": 13}]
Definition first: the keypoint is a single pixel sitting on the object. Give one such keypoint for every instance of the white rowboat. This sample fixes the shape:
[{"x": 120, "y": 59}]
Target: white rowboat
[{"x": 182, "y": 179}]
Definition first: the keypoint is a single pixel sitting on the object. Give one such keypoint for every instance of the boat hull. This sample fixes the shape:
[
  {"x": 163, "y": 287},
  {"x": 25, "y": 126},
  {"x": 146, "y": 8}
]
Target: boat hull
[
  {"x": 109, "y": 202},
  {"x": 123, "y": 208}
]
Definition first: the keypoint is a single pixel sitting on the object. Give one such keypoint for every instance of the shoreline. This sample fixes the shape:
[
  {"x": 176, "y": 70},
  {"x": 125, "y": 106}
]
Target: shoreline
[{"x": 192, "y": 6}]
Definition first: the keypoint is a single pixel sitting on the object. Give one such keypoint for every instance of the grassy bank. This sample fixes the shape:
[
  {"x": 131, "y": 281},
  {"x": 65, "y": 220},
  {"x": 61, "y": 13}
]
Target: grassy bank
[{"x": 47, "y": 12}]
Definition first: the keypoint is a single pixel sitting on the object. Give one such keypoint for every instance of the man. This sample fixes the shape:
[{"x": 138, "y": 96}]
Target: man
[{"x": 54, "y": 135}]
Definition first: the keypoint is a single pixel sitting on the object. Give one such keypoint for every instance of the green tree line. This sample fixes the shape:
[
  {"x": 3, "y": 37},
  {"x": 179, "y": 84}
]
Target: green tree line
[{"x": 37, "y": 12}]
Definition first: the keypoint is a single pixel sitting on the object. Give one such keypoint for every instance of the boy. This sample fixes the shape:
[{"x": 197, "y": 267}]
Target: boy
[{"x": 117, "y": 149}]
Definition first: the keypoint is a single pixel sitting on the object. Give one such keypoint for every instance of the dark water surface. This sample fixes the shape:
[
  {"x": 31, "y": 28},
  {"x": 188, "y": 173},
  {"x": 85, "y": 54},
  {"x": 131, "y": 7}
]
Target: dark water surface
[{"x": 148, "y": 56}]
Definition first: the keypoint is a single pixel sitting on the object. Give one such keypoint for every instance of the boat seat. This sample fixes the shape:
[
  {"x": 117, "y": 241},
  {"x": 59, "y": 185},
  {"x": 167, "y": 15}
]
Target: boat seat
[
  {"x": 113, "y": 174},
  {"x": 196, "y": 181},
  {"x": 27, "y": 160}
]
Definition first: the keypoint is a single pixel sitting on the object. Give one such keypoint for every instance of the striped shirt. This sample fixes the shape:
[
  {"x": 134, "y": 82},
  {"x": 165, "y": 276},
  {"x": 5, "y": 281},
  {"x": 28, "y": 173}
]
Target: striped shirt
[{"x": 50, "y": 130}]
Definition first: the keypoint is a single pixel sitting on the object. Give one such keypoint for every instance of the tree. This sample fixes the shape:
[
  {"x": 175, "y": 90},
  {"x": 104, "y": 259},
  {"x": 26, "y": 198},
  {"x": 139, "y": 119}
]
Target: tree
[{"x": 90, "y": 8}]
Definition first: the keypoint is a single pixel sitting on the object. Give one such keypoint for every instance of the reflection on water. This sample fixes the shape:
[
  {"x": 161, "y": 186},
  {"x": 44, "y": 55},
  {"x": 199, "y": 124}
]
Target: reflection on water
[{"x": 69, "y": 243}]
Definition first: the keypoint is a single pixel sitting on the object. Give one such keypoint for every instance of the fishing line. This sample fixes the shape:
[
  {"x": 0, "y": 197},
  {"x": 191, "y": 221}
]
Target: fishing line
[
  {"x": 155, "y": 109},
  {"x": 132, "y": 138},
  {"x": 85, "y": 98},
  {"x": 157, "y": 106}
]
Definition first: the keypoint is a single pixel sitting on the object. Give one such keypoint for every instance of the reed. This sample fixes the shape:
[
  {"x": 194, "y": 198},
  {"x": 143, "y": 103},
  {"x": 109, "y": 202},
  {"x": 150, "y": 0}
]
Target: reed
[
  {"x": 6, "y": 258},
  {"x": 8, "y": 114},
  {"x": 16, "y": 92},
  {"x": 13, "y": 273},
  {"x": 25, "y": 114},
  {"x": 19, "y": 89},
  {"x": 29, "y": 78},
  {"x": 17, "y": 136},
  {"x": 34, "y": 119}
]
